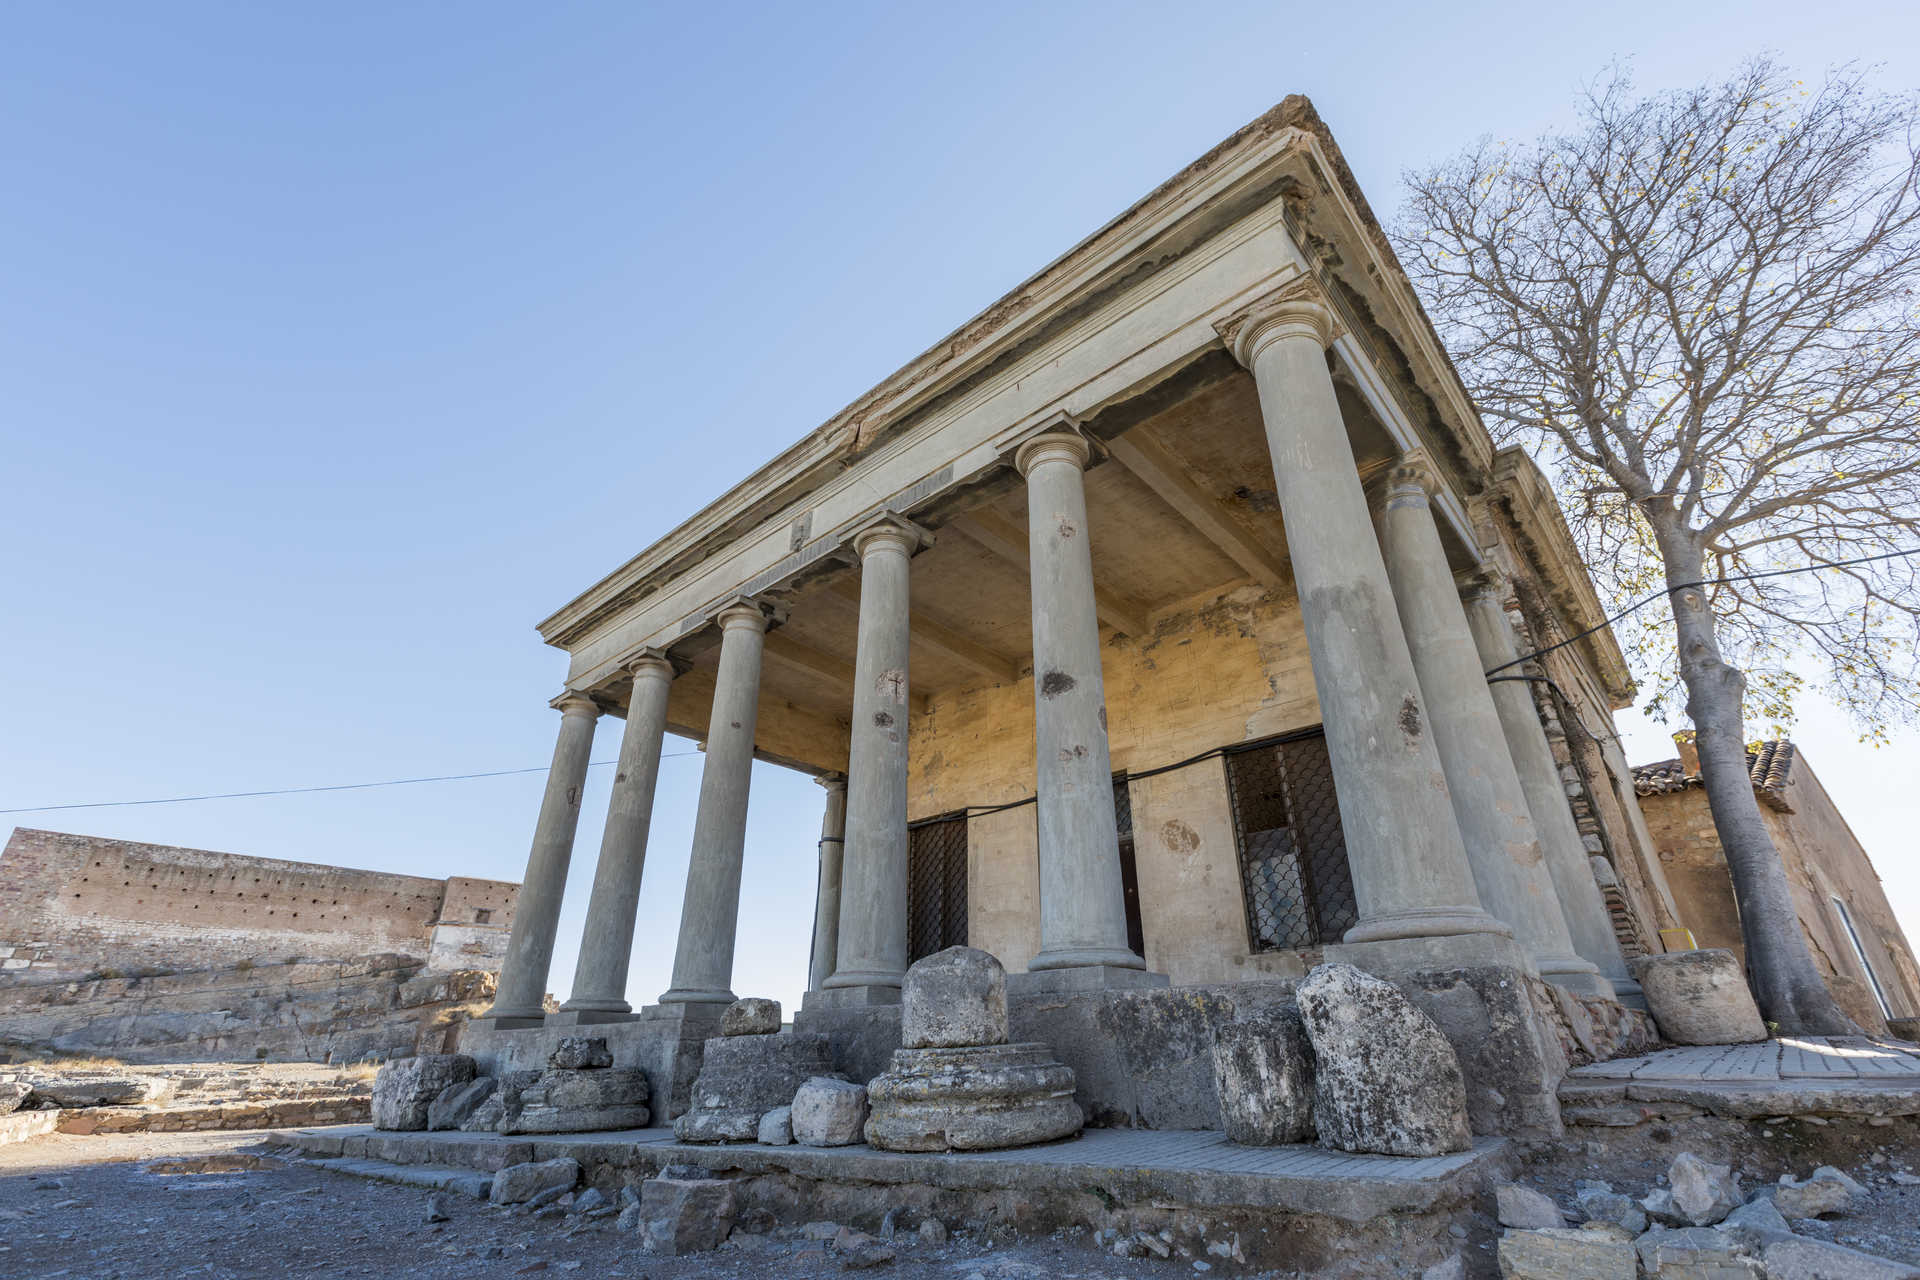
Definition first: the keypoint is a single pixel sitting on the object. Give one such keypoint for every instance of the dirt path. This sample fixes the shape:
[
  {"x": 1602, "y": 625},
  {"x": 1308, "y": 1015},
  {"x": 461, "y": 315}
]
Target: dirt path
[{"x": 162, "y": 1206}]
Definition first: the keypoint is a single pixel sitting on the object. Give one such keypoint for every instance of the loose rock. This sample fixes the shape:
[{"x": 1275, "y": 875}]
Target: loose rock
[
  {"x": 1518, "y": 1206},
  {"x": 519, "y": 1183},
  {"x": 952, "y": 999},
  {"x": 684, "y": 1215},
  {"x": 439, "y": 1207},
  {"x": 581, "y": 1053},
  {"x": 1600, "y": 1203},
  {"x": 1827, "y": 1191},
  {"x": 1565, "y": 1254},
  {"x": 1801, "y": 1259},
  {"x": 1263, "y": 1075},
  {"x": 455, "y": 1104},
  {"x": 828, "y": 1113},
  {"x": 753, "y": 1016},
  {"x": 404, "y": 1090},
  {"x": 776, "y": 1127},
  {"x": 1702, "y": 1193},
  {"x": 1385, "y": 1078},
  {"x": 1694, "y": 1253},
  {"x": 1700, "y": 997}
]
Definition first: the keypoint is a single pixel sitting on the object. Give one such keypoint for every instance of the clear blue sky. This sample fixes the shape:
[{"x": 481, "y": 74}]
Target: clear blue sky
[{"x": 341, "y": 343}]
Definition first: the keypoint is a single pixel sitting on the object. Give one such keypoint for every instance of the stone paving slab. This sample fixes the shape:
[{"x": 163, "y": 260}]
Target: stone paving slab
[
  {"x": 1811, "y": 1075},
  {"x": 1181, "y": 1167},
  {"x": 1792, "y": 1058}
]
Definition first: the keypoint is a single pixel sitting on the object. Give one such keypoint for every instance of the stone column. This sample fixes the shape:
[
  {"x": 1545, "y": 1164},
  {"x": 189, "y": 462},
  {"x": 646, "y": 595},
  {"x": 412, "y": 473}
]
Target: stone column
[
  {"x": 1503, "y": 849},
  {"x": 606, "y": 945},
  {"x": 872, "y": 951},
  {"x": 703, "y": 963},
  {"x": 1585, "y": 911},
  {"x": 826, "y": 905},
  {"x": 520, "y": 997},
  {"x": 1083, "y": 915},
  {"x": 1410, "y": 872}
]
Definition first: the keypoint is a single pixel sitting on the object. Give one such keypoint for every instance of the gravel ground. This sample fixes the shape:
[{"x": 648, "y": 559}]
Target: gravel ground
[{"x": 161, "y": 1206}]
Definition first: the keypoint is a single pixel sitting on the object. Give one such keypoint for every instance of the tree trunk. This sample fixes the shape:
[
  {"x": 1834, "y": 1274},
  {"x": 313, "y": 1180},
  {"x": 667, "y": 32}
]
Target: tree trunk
[{"x": 1786, "y": 984}]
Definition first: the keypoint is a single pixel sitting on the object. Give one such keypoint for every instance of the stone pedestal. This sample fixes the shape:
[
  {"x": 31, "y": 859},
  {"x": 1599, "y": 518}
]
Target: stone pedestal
[{"x": 958, "y": 1085}]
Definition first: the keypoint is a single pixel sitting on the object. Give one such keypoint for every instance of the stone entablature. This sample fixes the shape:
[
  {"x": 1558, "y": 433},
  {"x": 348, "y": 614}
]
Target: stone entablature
[{"x": 74, "y": 905}]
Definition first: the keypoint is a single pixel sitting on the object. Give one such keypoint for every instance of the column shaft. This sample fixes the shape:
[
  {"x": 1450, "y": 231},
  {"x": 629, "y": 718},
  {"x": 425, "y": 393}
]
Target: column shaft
[
  {"x": 536, "y": 915},
  {"x": 1588, "y": 923},
  {"x": 826, "y": 906},
  {"x": 873, "y": 906},
  {"x": 1503, "y": 849},
  {"x": 1409, "y": 864},
  {"x": 1083, "y": 916},
  {"x": 606, "y": 945},
  {"x": 709, "y": 918}
]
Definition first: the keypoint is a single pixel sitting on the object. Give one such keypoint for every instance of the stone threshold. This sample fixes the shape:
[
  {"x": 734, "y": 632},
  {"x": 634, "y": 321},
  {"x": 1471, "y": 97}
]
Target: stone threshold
[{"x": 1199, "y": 1169}]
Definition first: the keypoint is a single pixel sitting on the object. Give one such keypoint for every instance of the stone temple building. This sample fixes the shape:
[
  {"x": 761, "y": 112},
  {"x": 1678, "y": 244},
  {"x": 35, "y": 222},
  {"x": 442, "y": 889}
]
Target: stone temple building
[{"x": 1138, "y": 633}]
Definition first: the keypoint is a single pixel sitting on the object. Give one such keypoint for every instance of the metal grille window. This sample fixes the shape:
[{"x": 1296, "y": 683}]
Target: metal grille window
[
  {"x": 936, "y": 885},
  {"x": 1129, "y": 877},
  {"x": 1293, "y": 857}
]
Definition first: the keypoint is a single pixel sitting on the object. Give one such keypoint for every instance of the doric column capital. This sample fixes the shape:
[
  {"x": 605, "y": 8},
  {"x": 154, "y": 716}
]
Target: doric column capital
[
  {"x": 889, "y": 531},
  {"x": 1298, "y": 308},
  {"x": 743, "y": 613},
  {"x": 832, "y": 781},
  {"x": 1062, "y": 442},
  {"x": 572, "y": 702},
  {"x": 651, "y": 664}
]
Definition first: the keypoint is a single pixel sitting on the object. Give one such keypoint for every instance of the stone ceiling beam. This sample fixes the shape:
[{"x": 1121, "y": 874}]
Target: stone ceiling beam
[
  {"x": 938, "y": 637},
  {"x": 1009, "y": 541},
  {"x": 1156, "y": 467},
  {"x": 801, "y": 657}
]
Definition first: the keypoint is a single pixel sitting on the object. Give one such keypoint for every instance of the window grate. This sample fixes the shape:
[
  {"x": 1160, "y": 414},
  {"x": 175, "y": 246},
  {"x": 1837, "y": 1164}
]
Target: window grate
[
  {"x": 936, "y": 886},
  {"x": 1293, "y": 856}
]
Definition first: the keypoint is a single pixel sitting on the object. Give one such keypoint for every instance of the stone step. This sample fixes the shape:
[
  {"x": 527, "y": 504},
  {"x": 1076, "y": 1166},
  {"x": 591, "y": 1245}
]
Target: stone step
[{"x": 433, "y": 1177}]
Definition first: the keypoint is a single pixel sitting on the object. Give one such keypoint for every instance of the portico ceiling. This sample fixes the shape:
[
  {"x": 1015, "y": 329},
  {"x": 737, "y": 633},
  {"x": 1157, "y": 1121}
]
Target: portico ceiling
[{"x": 1181, "y": 510}]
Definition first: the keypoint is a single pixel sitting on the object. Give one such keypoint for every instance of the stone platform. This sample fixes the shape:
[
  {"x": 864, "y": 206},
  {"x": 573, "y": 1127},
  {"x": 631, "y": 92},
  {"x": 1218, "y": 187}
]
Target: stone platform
[
  {"x": 1067, "y": 1182},
  {"x": 1839, "y": 1077}
]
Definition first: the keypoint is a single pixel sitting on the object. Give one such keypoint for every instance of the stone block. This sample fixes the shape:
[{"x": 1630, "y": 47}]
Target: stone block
[
  {"x": 1601, "y": 1203},
  {"x": 1700, "y": 997},
  {"x": 1263, "y": 1079},
  {"x": 1799, "y": 1258},
  {"x": 975, "y": 1099},
  {"x": 828, "y": 1113},
  {"x": 85, "y": 1091},
  {"x": 952, "y": 999},
  {"x": 1385, "y": 1078},
  {"x": 776, "y": 1127},
  {"x": 753, "y": 1016},
  {"x": 1695, "y": 1253},
  {"x": 455, "y": 1104},
  {"x": 1702, "y": 1193},
  {"x": 1564, "y": 1253},
  {"x": 744, "y": 1077},
  {"x": 582, "y": 1102},
  {"x": 12, "y": 1094},
  {"x": 580, "y": 1053},
  {"x": 519, "y": 1183},
  {"x": 684, "y": 1215},
  {"x": 1827, "y": 1191},
  {"x": 404, "y": 1090},
  {"x": 1518, "y": 1206}
]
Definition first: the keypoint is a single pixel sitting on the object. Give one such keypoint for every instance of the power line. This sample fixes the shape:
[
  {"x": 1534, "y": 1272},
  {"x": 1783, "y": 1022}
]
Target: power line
[{"x": 294, "y": 791}]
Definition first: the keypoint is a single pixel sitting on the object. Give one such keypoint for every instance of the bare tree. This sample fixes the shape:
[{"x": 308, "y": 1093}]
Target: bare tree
[{"x": 1698, "y": 309}]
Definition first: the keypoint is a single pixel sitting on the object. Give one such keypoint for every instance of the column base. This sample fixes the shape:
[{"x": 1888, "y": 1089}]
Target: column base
[
  {"x": 860, "y": 997},
  {"x": 1576, "y": 975},
  {"x": 590, "y": 1017},
  {"x": 1428, "y": 922},
  {"x": 1088, "y": 977},
  {"x": 1390, "y": 957},
  {"x": 846, "y": 979},
  {"x": 507, "y": 1021},
  {"x": 1628, "y": 993},
  {"x": 694, "y": 995}
]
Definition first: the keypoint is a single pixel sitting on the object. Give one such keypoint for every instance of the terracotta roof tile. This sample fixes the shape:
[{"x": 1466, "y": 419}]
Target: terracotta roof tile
[{"x": 1769, "y": 765}]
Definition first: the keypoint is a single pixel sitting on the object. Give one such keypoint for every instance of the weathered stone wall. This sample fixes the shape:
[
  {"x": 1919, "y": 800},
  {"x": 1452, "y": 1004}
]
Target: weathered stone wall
[
  {"x": 1823, "y": 859},
  {"x": 1228, "y": 670},
  {"x": 73, "y": 906},
  {"x": 322, "y": 1011}
]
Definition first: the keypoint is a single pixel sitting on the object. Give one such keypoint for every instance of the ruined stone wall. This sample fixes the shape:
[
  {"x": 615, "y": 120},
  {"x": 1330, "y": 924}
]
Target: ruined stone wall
[
  {"x": 1227, "y": 671},
  {"x": 1823, "y": 861},
  {"x": 73, "y": 906}
]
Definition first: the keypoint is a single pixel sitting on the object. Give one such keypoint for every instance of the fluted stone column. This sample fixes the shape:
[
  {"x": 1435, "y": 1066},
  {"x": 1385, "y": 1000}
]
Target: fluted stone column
[
  {"x": 703, "y": 962},
  {"x": 520, "y": 996},
  {"x": 1083, "y": 915},
  {"x": 872, "y": 952},
  {"x": 606, "y": 944},
  {"x": 1410, "y": 871},
  {"x": 1503, "y": 849},
  {"x": 1584, "y": 910},
  {"x": 826, "y": 905}
]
